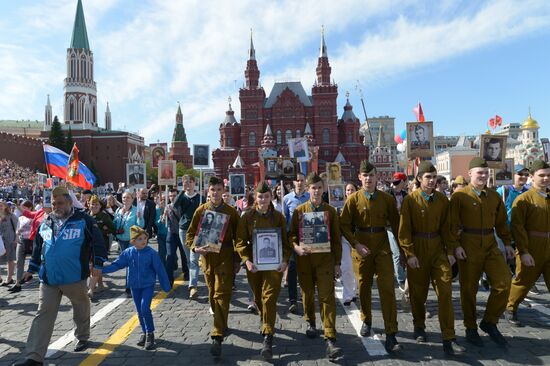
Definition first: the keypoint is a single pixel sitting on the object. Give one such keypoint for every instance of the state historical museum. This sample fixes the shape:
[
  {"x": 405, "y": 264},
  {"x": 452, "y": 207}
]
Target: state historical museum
[{"x": 288, "y": 112}]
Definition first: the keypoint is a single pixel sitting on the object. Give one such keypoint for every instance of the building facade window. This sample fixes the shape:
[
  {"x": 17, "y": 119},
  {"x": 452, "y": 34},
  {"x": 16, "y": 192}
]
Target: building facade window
[
  {"x": 288, "y": 135},
  {"x": 279, "y": 137},
  {"x": 251, "y": 138},
  {"x": 350, "y": 136},
  {"x": 298, "y": 133},
  {"x": 326, "y": 136}
]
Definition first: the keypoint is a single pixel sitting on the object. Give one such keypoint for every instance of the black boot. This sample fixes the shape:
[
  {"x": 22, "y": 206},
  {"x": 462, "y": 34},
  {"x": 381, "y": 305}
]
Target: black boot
[
  {"x": 472, "y": 336},
  {"x": 512, "y": 317},
  {"x": 493, "y": 332},
  {"x": 391, "y": 344},
  {"x": 150, "y": 341},
  {"x": 267, "y": 352},
  {"x": 216, "y": 347},
  {"x": 333, "y": 352},
  {"x": 311, "y": 331},
  {"x": 451, "y": 348},
  {"x": 419, "y": 335},
  {"x": 141, "y": 341},
  {"x": 365, "y": 329}
]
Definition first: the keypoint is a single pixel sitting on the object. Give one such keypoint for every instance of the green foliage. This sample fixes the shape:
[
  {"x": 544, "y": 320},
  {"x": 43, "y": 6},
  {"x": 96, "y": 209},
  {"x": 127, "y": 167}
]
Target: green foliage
[
  {"x": 57, "y": 138},
  {"x": 69, "y": 141}
]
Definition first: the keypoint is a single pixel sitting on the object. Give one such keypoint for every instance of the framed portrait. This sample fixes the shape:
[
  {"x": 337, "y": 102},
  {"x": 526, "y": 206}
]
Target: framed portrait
[
  {"x": 42, "y": 179},
  {"x": 267, "y": 249},
  {"x": 167, "y": 172},
  {"x": 314, "y": 231},
  {"x": 334, "y": 172},
  {"x": 281, "y": 168},
  {"x": 545, "y": 148},
  {"x": 237, "y": 184},
  {"x": 297, "y": 149},
  {"x": 493, "y": 149},
  {"x": 135, "y": 175},
  {"x": 200, "y": 156},
  {"x": 55, "y": 181},
  {"x": 505, "y": 175},
  {"x": 47, "y": 199},
  {"x": 211, "y": 231},
  {"x": 205, "y": 178},
  {"x": 336, "y": 195},
  {"x": 157, "y": 154},
  {"x": 420, "y": 139}
]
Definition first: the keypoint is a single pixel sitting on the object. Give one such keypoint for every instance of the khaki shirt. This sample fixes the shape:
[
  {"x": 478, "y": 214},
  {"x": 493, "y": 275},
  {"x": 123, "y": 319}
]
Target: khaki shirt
[
  {"x": 230, "y": 233},
  {"x": 530, "y": 212},
  {"x": 334, "y": 227},
  {"x": 470, "y": 211},
  {"x": 361, "y": 212},
  {"x": 420, "y": 216},
  {"x": 253, "y": 219}
]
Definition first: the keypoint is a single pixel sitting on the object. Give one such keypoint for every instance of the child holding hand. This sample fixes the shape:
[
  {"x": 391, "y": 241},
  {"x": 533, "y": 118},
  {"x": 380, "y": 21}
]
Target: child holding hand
[{"x": 144, "y": 266}]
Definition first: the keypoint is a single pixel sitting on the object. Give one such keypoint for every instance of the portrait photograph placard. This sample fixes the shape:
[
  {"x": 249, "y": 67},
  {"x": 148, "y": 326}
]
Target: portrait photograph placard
[
  {"x": 42, "y": 179},
  {"x": 506, "y": 175},
  {"x": 314, "y": 231},
  {"x": 280, "y": 168},
  {"x": 206, "y": 177},
  {"x": 298, "y": 149},
  {"x": 493, "y": 149},
  {"x": 167, "y": 172},
  {"x": 334, "y": 172},
  {"x": 157, "y": 154},
  {"x": 545, "y": 148},
  {"x": 47, "y": 199},
  {"x": 420, "y": 137},
  {"x": 336, "y": 195},
  {"x": 237, "y": 184},
  {"x": 267, "y": 249},
  {"x": 135, "y": 175},
  {"x": 201, "y": 155},
  {"x": 211, "y": 231}
]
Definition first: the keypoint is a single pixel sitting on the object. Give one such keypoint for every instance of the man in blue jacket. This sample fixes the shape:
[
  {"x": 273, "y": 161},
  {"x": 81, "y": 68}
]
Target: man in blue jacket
[{"x": 65, "y": 243}]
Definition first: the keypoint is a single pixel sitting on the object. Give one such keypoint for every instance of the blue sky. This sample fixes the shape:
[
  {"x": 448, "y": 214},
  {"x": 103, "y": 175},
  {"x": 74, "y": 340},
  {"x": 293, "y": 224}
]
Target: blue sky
[{"x": 464, "y": 60}]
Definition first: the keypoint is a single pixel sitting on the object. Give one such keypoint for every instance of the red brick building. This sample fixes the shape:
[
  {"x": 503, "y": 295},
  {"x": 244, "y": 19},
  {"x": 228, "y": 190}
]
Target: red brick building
[{"x": 288, "y": 112}]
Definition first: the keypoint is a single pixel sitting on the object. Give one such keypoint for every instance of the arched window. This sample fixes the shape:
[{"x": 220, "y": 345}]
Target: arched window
[
  {"x": 251, "y": 138},
  {"x": 298, "y": 133},
  {"x": 288, "y": 135},
  {"x": 326, "y": 136},
  {"x": 279, "y": 137},
  {"x": 73, "y": 66},
  {"x": 228, "y": 141},
  {"x": 71, "y": 110},
  {"x": 83, "y": 67},
  {"x": 350, "y": 136}
]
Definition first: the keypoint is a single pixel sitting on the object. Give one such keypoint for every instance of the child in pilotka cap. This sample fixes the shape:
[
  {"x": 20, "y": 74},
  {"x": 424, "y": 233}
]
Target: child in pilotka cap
[{"x": 144, "y": 266}]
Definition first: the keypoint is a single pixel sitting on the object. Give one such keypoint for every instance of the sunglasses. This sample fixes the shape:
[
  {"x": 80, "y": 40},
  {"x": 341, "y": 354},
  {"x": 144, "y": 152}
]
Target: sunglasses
[{"x": 523, "y": 174}]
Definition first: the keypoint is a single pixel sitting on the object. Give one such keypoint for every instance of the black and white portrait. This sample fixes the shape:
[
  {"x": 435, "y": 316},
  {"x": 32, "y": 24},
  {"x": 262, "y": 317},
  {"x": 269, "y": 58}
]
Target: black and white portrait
[
  {"x": 321, "y": 234},
  {"x": 47, "y": 199},
  {"x": 336, "y": 195},
  {"x": 334, "y": 172},
  {"x": 135, "y": 174},
  {"x": 314, "y": 231},
  {"x": 505, "y": 175},
  {"x": 493, "y": 150},
  {"x": 545, "y": 148},
  {"x": 419, "y": 139},
  {"x": 267, "y": 248},
  {"x": 212, "y": 228},
  {"x": 298, "y": 149},
  {"x": 200, "y": 156},
  {"x": 236, "y": 184}
]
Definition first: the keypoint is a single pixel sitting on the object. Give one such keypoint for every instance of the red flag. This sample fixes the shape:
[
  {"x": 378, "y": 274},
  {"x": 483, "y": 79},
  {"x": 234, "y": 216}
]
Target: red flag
[
  {"x": 494, "y": 122},
  {"x": 72, "y": 167},
  {"x": 419, "y": 113}
]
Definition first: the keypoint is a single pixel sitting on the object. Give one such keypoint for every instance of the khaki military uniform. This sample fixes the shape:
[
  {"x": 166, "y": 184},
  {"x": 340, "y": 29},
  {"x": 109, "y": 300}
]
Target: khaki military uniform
[
  {"x": 317, "y": 269},
  {"x": 531, "y": 232},
  {"x": 218, "y": 268},
  {"x": 423, "y": 232},
  {"x": 474, "y": 217},
  {"x": 265, "y": 285},
  {"x": 363, "y": 221}
]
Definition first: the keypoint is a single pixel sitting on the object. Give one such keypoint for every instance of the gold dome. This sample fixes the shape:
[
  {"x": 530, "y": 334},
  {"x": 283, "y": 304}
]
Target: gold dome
[{"x": 530, "y": 123}]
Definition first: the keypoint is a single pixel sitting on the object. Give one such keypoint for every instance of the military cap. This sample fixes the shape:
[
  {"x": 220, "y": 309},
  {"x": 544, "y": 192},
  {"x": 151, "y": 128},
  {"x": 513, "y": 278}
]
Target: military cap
[
  {"x": 313, "y": 178},
  {"x": 215, "y": 181},
  {"x": 460, "y": 180},
  {"x": 478, "y": 162},
  {"x": 136, "y": 231},
  {"x": 366, "y": 167},
  {"x": 262, "y": 187},
  {"x": 60, "y": 191},
  {"x": 537, "y": 165},
  {"x": 426, "y": 167}
]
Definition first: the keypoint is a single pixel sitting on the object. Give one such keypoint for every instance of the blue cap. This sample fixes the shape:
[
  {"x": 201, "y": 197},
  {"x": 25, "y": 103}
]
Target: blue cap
[{"x": 519, "y": 168}]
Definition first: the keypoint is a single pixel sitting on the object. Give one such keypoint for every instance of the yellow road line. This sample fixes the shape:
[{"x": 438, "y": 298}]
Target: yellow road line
[{"x": 124, "y": 331}]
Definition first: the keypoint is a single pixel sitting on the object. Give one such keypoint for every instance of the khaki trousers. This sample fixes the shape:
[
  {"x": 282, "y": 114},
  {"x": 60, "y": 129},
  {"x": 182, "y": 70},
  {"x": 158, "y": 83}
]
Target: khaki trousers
[
  {"x": 266, "y": 286},
  {"x": 48, "y": 307}
]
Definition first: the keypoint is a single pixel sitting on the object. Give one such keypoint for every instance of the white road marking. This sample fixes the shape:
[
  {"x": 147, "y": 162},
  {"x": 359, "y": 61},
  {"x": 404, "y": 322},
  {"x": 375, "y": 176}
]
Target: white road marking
[
  {"x": 372, "y": 344},
  {"x": 68, "y": 337}
]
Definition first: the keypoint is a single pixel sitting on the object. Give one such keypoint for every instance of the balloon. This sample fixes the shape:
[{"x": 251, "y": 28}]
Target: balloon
[
  {"x": 403, "y": 134},
  {"x": 400, "y": 147},
  {"x": 397, "y": 139}
]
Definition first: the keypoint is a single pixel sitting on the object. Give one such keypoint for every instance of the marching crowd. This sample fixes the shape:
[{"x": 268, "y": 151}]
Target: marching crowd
[
  {"x": 16, "y": 181},
  {"x": 410, "y": 235}
]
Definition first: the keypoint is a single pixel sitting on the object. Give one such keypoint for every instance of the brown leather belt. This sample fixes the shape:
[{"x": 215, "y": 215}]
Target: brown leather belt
[
  {"x": 372, "y": 229},
  {"x": 540, "y": 234},
  {"x": 432, "y": 235},
  {"x": 473, "y": 231}
]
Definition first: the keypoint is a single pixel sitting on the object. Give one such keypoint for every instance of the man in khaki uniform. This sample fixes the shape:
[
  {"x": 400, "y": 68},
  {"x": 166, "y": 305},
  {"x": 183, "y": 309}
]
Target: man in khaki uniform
[
  {"x": 363, "y": 223},
  {"x": 531, "y": 232},
  {"x": 475, "y": 214},
  {"x": 218, "y": 268},
  {"x": 318, "y": 269},
  {"x": 265, "y": 285},
  {"x": 423, "y": 232}
]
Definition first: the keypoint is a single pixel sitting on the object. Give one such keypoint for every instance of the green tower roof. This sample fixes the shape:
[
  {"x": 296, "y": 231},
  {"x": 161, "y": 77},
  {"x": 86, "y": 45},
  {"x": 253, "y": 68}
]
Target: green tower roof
[
  {"x": 80, "y": 36},
  {"x": 179, "y": 134}
]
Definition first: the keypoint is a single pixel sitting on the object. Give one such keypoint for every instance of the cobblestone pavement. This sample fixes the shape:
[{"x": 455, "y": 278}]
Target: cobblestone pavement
[{"x": 182, "y": 331}]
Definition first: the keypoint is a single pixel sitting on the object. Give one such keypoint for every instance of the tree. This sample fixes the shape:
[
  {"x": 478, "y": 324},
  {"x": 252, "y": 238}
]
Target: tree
[
  {"x": 57, "y": 138},
  {"x": 69, "y": 142}
]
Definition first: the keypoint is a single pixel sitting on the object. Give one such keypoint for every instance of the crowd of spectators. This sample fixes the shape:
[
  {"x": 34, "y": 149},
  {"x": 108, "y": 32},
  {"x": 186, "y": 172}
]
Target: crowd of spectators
[{"x": 16, "y": 181}]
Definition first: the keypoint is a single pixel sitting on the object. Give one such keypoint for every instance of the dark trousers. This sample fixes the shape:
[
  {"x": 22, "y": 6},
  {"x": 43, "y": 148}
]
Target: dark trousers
[
  {"x": 161, "y": 240},
  {"x": 172, "y": 244},
  {"x": 292, "y": 280}
]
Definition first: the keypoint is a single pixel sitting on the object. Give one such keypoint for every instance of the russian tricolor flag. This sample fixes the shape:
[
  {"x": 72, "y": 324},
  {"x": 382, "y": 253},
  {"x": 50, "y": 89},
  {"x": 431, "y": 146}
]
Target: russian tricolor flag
[{"x": 57, "y": 162}]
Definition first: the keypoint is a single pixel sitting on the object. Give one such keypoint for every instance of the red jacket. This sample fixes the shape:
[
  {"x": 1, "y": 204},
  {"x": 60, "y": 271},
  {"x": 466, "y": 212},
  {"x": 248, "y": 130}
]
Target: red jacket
[{"x": 37, "y": 218}]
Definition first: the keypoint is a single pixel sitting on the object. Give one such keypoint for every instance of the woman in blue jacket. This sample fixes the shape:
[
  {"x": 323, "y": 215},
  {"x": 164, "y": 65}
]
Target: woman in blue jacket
[
  {"x": 125, "y": 218},
  {"x": 144, "y": 266}
]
